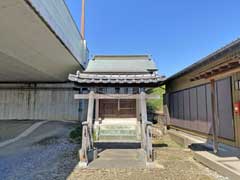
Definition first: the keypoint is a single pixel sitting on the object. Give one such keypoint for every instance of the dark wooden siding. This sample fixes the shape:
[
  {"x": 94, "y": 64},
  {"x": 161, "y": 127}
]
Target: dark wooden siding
[
  {"x": 181, "y": 105},
  {"x": 171, "y": 105},
  {"x": 202, "y": 108},
  {"x": 186, "y": 99},
  {"x": 192, "y": 108},
  {"x": 175, "y": 105},
  {"x": 225, "y": 112}
]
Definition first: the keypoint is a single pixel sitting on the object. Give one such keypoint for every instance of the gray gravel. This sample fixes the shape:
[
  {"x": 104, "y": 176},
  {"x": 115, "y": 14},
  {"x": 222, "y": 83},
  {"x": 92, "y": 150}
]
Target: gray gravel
[
  {"x": 172, "y": 162},
  {"x": 46, "y": 154}
]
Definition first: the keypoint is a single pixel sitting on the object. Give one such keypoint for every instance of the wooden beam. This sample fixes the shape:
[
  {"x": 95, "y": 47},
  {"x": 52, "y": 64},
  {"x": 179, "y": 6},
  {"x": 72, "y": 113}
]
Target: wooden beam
[
  {"x": 81, "y": 96},
  {"x": 115, "y": 96},
  {"x": 221, "y": 71},
  {"x": 224, "y": 74}
]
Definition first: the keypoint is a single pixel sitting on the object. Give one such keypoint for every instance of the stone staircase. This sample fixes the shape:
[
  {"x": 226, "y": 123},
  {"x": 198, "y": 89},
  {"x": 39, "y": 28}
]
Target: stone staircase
[{"x": 117, "y": 132}]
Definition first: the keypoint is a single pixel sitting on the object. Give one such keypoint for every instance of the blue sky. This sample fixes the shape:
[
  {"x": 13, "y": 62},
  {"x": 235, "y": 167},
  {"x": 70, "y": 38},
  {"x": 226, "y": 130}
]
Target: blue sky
[{"x": 176, "y": 33}]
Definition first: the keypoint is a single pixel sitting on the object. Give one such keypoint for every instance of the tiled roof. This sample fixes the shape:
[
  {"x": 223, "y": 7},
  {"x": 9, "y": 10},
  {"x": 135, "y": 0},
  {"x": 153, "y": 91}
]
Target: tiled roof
[
  {"x": 116, "y": 79},
  {"x": 121, "y": 64}
]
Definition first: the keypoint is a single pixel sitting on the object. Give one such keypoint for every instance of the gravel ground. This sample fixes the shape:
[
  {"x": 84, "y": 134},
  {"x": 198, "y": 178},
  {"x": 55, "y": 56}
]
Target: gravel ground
[
  {"x": 46, "y": 154},
  {"x": 172, "y": 163}
]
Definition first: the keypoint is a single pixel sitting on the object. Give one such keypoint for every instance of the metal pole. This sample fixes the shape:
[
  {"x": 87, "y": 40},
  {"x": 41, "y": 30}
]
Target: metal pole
[
  {"x": 214, "y": 117},
  {"x": 83, "y": 20}
]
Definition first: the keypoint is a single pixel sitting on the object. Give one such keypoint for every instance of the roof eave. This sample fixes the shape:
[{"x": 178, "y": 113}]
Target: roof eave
[{"x": 210, "y": 58}]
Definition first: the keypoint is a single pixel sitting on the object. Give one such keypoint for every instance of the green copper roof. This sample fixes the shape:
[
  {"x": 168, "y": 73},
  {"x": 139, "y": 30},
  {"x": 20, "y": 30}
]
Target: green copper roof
[{"x": 121, "y": 64}]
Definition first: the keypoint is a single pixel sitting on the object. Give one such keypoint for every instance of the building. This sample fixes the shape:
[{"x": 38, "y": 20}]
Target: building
[
  {"x": 191, "y": 104},
  {"x": 115, "y": 88},
  {"x": 118, "y": 75},
  {"x": 40, "y": 45}
]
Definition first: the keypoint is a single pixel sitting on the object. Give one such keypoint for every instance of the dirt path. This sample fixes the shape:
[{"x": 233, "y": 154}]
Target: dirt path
[{"x": 172, "y": 163}]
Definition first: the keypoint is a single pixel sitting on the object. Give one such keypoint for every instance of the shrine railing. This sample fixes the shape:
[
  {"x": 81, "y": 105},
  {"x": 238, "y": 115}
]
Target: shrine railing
[
  {"x": 146, "y": 129},
  {"x": 87, "y": 143},
  {"x": 88, "y": 152}
]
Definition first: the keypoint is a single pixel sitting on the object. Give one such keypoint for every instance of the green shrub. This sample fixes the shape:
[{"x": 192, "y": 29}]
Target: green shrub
[
  {"x": 154, "y": 105},
  {"x": 76, "y": 134}
]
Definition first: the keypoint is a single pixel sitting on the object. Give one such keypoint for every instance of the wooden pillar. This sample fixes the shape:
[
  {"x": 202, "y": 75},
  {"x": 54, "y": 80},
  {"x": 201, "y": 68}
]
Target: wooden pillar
[
  {"x": 138, "y": 109},
  {"x": 146, "y": 129},
  {"x": 97, "y": 110},
  {"x": 143, "y": 107},
  {"x": 166, "y": 118},
  {"x": 214, "y": 117},
  {"x": 90, "y": 108},
  {"x": 83, "y": 151}
]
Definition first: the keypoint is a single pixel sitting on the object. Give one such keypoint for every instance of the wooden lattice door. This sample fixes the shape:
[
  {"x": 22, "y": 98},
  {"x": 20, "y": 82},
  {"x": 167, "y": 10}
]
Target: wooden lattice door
[{"x": 113, "y": 108}]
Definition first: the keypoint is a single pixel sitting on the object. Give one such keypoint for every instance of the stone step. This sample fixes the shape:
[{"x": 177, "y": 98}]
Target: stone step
[
  {"x": 117, "y": 132},
  {"x": 118, "y": 138},
  {"x": 117, "y": 127}
]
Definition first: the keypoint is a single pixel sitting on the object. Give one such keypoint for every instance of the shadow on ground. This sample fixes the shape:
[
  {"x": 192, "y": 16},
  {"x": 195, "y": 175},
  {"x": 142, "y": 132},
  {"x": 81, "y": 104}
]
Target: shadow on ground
[
  {"x": 160, "y": 145},
  {"x": 101, "y": 146}
]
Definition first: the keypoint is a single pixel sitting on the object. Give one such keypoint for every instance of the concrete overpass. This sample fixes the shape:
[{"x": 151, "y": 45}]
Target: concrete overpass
[
  {"x": 39, "y": 42},
  {"x": 40, "y": 45}
]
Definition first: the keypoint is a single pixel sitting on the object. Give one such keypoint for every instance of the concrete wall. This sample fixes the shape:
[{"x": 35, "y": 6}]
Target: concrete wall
[
  {"x": 40, "y": 101},
  {"x": 57, "y": 15}
]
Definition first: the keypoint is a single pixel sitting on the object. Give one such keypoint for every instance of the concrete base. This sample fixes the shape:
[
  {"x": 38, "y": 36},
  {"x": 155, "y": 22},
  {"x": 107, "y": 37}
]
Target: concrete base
[
  {"x": 229, "y": 167},
  {"x": 82, "y": 165},
  {"x": 91, "y": 156},
  {"x": 226, "y": 162},
  {"x": 184, "y": 139},
  {"x": 120, "y": 158}
]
